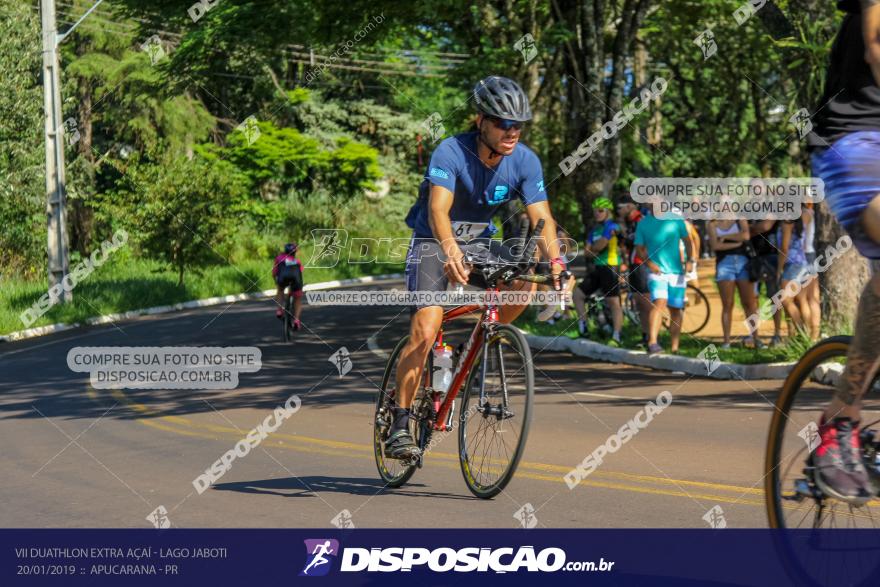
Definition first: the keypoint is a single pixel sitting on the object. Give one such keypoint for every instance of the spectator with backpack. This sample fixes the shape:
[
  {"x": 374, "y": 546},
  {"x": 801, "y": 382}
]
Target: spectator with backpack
[{"x": 288, "y": 272}]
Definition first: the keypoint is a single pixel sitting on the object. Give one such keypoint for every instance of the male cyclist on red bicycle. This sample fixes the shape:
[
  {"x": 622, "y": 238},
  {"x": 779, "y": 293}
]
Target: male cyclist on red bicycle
[{"x": 469, "y": 176}]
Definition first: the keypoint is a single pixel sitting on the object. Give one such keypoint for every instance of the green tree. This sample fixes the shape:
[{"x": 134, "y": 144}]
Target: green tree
[
  {"x": 180, "y": 210},
  {"x": 120, "y": 101},
  {"x": 22, "y": 164}
]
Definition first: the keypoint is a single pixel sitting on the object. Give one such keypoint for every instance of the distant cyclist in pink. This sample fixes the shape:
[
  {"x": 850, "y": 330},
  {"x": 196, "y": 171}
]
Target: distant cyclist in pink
[{"x": 288, "y": 272}]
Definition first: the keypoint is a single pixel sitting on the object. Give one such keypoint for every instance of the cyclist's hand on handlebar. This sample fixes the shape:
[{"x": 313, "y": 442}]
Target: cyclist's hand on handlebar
[
  {"x": 559, "y": 272},
  {"x": 455, "y": 267}
]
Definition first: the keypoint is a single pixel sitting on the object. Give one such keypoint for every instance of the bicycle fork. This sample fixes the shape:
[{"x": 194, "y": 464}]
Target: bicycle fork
[{"x": 502, "y": 410}]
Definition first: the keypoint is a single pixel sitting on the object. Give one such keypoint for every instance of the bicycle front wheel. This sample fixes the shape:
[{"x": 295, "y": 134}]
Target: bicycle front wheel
[
  {"x": 496, "y": 411},
  {"x": 793, "y": 498}
]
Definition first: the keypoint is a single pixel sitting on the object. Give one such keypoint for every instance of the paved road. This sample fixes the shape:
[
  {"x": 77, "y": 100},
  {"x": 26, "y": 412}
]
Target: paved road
[{"x": 74, "y": 456}]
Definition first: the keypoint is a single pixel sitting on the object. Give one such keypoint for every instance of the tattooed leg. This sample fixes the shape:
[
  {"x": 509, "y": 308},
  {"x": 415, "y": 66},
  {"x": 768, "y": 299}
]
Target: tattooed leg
[{"x": 863, "y": 356}]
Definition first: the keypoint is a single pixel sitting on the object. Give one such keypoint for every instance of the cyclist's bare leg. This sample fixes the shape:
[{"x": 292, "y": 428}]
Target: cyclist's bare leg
[
  {"x": 814, "y": 299},
  {"x": 279, "y": 296},
  {"x": 862, "y": 356},
  {"x": 871, "y": 220},
  {"x": 423, "y": 331},
  {"x": 579, "y": 298},
  {"x": 675, "y": 316},
  {"x": 616, "y": 312},
  {"x": 509, "y": 313},
  {"x": 655, "y": 318},
  {"x": 297, "y": 307}
]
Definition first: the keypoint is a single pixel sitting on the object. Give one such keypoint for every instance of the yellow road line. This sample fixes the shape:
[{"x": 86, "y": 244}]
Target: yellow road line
[{"x": 527, "y": 469}]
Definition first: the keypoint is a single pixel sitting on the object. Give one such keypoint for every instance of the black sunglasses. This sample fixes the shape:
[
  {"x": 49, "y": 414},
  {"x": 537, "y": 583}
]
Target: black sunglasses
[{"x": 505, "y": 124}]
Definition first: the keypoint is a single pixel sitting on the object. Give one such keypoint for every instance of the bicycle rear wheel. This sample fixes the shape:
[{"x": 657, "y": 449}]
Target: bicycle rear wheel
[
  {"x": 696, "y": 311},
  {"x": 394, "y": 472},
  {"x": 793, "y": 499},
  {"x": 493, "y": 428}
]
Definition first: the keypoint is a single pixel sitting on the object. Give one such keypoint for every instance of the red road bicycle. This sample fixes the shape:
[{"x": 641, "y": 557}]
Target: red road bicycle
[{"x": 495, "y": 377}]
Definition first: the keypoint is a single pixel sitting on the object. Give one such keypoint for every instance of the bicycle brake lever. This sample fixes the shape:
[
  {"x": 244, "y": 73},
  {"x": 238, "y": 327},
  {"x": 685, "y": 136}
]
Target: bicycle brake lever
[{"x": 564, "y": 276}]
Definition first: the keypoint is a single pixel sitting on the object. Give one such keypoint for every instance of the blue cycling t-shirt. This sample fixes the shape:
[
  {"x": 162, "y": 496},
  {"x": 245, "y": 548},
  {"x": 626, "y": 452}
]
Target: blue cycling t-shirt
[{"x": 478, "y": 190}]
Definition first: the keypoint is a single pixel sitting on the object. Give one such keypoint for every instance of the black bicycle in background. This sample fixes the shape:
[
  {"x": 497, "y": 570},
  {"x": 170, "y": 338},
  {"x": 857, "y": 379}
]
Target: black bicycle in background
[
  {"x": 695, "y": 317},
  {"x": 287, "y": 328}
]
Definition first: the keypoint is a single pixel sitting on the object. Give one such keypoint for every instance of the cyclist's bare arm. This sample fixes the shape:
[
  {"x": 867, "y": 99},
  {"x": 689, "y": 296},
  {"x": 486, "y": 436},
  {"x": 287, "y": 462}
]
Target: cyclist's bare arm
[
  {"x": 440, "y": 203},
  {"x": 597, "y": 247},
  {"x": 549, "y": 246}
]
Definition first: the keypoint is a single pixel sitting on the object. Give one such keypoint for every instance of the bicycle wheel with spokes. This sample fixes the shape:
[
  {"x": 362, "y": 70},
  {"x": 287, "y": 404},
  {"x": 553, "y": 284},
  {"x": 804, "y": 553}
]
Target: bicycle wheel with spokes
[
  {"x": 696, "y": 311},
  {"x": 394, "y": 472},
  {"x": 496, "y": 410},
  {"x": 795, "y": 501}
]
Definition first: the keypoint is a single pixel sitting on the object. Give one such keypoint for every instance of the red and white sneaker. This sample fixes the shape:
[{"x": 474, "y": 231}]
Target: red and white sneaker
[
  {"x": 840, "y": 472},
  {"x": 296, "y": 324}
]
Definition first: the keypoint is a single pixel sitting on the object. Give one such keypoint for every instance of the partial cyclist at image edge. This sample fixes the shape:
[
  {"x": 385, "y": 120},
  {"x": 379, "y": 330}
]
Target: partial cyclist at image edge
[
  {"x": 287, "y": 270},
  {"x": 845, "y": 153},
  {"x": 469, "y": 176}
]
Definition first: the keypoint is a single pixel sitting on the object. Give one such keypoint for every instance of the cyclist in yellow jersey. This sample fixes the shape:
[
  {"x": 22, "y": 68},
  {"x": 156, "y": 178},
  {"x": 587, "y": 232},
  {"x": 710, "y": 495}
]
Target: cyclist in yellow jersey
[{"x": 604, "y": 250}]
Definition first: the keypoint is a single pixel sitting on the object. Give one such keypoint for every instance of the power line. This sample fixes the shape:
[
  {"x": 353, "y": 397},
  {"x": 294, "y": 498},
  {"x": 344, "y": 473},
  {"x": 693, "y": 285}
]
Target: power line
[
  {"x": 310, "y": 58},
  {"x": 443, "y": 56}
]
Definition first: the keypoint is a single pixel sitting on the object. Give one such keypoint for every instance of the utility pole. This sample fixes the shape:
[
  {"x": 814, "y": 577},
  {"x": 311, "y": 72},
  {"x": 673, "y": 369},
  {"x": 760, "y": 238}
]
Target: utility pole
[
  {"x": 59, "y": 264},
  {"x": 56, "y": 194}
]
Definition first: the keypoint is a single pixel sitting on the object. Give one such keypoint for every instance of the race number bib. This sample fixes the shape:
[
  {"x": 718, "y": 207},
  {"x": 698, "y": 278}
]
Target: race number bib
[{"x": 466, "y": 231}]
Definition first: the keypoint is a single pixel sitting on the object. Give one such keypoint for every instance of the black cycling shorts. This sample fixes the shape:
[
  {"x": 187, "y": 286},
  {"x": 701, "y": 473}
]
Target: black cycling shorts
[
  {"x": 604, "y": 279},
  {"x": 425, "y": 259},
  {"x": 294, "y": 282},
  {"x": 638, "y": 279}
]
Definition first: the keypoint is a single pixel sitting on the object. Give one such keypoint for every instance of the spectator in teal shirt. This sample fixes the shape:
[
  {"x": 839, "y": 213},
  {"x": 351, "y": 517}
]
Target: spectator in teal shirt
[{"x": 658, "y": 241}]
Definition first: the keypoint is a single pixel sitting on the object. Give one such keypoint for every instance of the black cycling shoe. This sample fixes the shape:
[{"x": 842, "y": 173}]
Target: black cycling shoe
[
  {"x": 400, "y": 445},
  {"x": 840, "y": 472}
]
